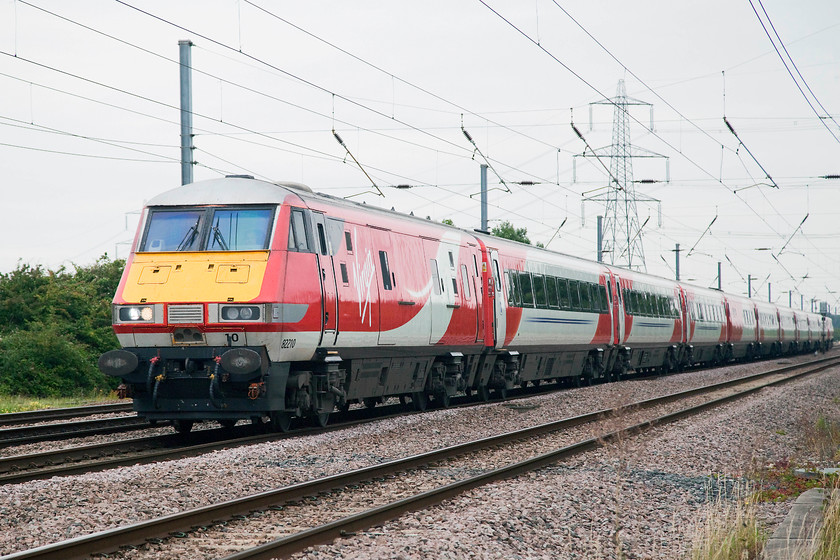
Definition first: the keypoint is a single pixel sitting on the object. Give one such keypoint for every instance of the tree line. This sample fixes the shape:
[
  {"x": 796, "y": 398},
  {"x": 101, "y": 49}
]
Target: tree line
[{"x": 54, "y": 325}]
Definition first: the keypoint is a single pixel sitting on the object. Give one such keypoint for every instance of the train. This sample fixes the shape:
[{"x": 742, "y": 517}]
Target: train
[{"x": 244, "y": 299}]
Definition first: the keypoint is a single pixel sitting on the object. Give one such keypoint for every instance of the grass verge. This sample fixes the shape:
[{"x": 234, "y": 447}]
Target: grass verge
[{"x": 16, "y": 403}]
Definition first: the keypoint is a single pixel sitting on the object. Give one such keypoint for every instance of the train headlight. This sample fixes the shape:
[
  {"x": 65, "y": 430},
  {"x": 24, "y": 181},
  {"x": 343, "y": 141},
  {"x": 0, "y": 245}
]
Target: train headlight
[
  {"x": 249, "y": 313},
  {"x": 135, "y": 314}
]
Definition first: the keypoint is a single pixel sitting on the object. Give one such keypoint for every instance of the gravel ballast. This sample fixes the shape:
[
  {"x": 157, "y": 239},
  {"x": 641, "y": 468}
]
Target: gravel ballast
[{"x": 641, "y": 496}]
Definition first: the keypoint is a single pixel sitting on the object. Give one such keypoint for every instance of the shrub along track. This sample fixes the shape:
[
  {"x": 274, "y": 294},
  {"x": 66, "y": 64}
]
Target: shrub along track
[{"x": 366, "y": 497}]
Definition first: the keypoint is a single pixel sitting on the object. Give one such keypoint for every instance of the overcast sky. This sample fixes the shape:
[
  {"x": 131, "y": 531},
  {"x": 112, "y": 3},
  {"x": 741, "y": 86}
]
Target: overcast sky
[{"x": 89, "y": 124}]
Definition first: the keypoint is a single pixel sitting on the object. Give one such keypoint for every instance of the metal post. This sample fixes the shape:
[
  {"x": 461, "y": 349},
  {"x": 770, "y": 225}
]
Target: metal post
[
  {"x": 749, "y": 286},
  {"x": 186, "y": 113},
  {"x": 802, "y": 302},
  {"x": 483, "y": 197},
  {"x": 719, "y": 279},
  {"x": 790, "y": 298},
  {"x": 677, "y": 252},
  {"x": 769, "y": 292},
  {"x": 600, "y": 239}
]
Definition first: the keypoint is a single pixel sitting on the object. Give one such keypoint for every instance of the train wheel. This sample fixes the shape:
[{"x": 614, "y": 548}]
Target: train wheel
[
  {"x": 502, "y": 393},
  {"x": 483, "y": 393},
  {"x": 420, "y": 401},
  {"x": 280, "y": 422},
  {"x": 344, "y": 407},
  {"x": 227, "y": 423},
  {"x": 321, "y": 419},
  {"x": 183, "y": 426},
  {"x": 536, "y": 382},
  {"x": 370, "y": 402},
  {"x": 403, "y": 400}
]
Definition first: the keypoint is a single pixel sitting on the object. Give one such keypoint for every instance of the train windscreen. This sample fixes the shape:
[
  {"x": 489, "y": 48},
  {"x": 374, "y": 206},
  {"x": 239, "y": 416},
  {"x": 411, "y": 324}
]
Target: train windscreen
[{"x": 208, "y": 229}]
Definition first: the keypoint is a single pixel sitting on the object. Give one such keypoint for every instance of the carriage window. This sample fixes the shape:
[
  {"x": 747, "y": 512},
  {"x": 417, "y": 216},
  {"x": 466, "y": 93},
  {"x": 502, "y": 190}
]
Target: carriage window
[
  {"x": 551, "y": 291},
  {"x": 603, "y": 298},
  {"x": 348, "y": 242},
  {"x": 527, "y": 289},
  {"x": 465, "y": 281},
  {"x": 322, "y": 238},
  {"x": 386, "y": 272},
  {"x": 344, "y": 276},
  {"x": 563, "y": 293},
  {"x": 539, "y": 291},
  {"x": 574, "y": 295},
  {"x": 436, "y": 286},
  {"x": 585, "y": 297}
]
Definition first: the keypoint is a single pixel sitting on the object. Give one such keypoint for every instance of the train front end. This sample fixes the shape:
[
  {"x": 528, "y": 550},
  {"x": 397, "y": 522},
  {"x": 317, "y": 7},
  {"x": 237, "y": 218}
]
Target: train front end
[{"x": 200, "y": 305}]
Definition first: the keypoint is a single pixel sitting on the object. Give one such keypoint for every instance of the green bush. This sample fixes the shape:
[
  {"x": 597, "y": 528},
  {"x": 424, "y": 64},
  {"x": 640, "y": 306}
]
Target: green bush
[{"x": 53, "y": 327}]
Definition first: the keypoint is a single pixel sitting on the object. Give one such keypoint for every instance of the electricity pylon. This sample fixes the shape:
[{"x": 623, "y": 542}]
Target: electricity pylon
[{"x": 622, "y": 233}]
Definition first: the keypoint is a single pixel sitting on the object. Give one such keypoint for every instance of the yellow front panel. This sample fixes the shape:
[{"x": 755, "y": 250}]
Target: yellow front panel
[{"x": 195, "y": 277}]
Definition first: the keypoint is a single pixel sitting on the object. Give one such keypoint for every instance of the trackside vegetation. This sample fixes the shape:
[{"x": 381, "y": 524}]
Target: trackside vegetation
[{"x": 54, "y": 324}]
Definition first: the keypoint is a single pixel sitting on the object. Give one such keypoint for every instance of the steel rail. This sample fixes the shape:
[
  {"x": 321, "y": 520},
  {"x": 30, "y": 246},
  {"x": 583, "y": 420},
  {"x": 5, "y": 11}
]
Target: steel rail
[
  {"x": 66, "y": 430},
  {"x": 32, "y": 416},
  {"x": 323, "y": 534},
  {"x": 111, "y": 539}
]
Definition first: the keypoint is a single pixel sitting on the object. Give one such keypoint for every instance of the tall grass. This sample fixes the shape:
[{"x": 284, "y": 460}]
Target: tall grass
[
  {"x": 828, "y": 541},
  {"x": 730, "y": 530}
]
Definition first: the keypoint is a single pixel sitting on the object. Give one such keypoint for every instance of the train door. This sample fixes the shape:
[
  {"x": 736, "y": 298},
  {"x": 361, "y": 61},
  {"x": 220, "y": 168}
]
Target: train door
[
  {"x": 479, "y": 298},
  {"x": 617, "y": 309},
  {"x": 686, "y": 317},
  {"x": 499, "y": 305},
  {"x": 326, "y": 266}
]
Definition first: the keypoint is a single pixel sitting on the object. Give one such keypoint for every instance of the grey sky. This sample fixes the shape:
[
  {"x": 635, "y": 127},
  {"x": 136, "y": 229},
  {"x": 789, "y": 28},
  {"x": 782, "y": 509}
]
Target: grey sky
[{"x": 65, "y": 202}]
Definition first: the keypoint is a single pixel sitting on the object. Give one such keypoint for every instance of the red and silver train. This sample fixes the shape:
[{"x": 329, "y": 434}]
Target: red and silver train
[{"x": 244, "y": 299}]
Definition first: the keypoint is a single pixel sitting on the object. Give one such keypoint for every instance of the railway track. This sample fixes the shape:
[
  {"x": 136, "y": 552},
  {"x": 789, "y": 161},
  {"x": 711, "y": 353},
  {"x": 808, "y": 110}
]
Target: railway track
[
  {"x": 34, "y": 416},
  {"x": 359, "y": 499},
  {"x": 55, "y": 431}
]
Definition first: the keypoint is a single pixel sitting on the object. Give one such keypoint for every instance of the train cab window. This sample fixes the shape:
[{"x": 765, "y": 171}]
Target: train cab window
[
  {"x": 436, "y": 285},
  {"x": 344, "y": 276},
  {"x": 348, "y": 241},
  {"x": 539, "y": 292},
  {"x": 551, "y": 292},
  {"x": 465, "y": 281},
  {"x": 526, "y": 289},
  {"x": 239, "y": 229},
  {"x": 386, "y": 272},
  {"x": 563, "y": 293},
  {"x": 173, "y": 230},
  {"x": 297, "y": 232}
]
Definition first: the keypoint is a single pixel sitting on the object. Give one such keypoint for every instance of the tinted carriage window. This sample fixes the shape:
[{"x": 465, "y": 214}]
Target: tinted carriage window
[
  {"x": 585, "y": 297},
  {"x": 527, "y": 289},
  {"x": 348, "y": 241},
  {"x": 603, "y": 299},
  {"x": 173, "y": 230},
  {"x": 510, "y": 294},
  {"x": 563, "y": 293},
  {"x": 539, "y": 291},
  {"x": 551, "y": 291},
  {"x": 574, "y": 295}
]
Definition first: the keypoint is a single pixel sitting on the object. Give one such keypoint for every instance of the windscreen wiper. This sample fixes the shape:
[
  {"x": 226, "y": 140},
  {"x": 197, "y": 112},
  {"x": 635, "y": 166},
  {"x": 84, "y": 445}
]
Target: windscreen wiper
[
  {"x": 219, "y": 238},
  {"x": 189, "y": 237}
]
